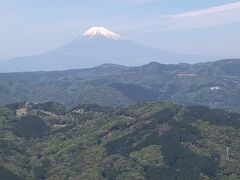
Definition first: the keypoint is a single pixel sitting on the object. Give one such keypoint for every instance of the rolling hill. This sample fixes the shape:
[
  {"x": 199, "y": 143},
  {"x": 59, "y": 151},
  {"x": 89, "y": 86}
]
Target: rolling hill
[
  {"x": 145, "y": 141},
  {"x": 215, "y": 84}
]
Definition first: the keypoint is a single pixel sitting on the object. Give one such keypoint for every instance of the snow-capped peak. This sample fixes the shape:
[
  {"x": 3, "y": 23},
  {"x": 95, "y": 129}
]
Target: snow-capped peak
[{"x": 101, "y": 31}]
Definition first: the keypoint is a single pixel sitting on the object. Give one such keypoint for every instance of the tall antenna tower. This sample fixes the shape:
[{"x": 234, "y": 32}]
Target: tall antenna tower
[{"x": 227, "y": 153}]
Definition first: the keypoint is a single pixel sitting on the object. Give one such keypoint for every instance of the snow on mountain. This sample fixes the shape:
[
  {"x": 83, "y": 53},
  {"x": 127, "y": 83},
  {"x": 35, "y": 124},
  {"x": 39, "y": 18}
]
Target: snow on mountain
[
  {"x": 101, "y": 31},
  {"x": 96, "y": 46}
]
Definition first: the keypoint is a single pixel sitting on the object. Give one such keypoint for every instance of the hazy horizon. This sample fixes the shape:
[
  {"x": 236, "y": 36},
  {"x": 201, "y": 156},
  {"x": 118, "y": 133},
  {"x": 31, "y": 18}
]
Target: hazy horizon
[
  {"x": 119, "y": 89},
  {"x": 197, "y": 28}
]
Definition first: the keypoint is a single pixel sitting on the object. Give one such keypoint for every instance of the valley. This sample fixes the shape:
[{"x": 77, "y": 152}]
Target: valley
[{"x": 119, "y": 90}]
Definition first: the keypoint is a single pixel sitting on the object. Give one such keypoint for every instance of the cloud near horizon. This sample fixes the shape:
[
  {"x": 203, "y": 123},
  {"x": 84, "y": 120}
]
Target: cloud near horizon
[
  {"x": 203, "y": 18},
  {"x": 209, "y": 17}
]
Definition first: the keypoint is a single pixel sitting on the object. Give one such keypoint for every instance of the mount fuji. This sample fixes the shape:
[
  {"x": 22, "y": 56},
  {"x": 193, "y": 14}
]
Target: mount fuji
[{"x": 96, "y": 46}]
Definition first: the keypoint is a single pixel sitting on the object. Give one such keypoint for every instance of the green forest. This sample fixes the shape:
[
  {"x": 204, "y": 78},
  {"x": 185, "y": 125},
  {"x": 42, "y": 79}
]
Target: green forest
[{"x": 144, "y": 141}]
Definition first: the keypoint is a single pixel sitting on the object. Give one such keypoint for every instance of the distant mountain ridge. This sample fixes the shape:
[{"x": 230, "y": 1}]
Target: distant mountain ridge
[
  {"x": 215, "y": 84},
  {"x": 96, "y": 46}
]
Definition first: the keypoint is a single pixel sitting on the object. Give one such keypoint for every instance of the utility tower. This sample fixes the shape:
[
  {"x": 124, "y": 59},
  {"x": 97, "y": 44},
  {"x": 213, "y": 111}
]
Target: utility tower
[{"x": 227, "y": 153}]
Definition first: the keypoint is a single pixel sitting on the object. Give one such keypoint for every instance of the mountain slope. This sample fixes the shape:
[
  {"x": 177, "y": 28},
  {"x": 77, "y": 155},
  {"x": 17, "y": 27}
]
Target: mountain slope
[
  {"x": 216, "y": 84},
  {"x": 145, "y": 141},
  {"x": 96, "y": 46}
]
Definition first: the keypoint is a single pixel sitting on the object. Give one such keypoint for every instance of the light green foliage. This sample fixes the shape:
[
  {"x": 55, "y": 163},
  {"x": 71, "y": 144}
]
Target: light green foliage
[
  {"x": 145, "y": 141},
  {"x": 149, "y": 156}
]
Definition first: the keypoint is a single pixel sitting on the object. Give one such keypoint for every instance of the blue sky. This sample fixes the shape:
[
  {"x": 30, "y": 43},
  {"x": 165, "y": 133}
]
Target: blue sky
[{"x": 209, "y": 27}]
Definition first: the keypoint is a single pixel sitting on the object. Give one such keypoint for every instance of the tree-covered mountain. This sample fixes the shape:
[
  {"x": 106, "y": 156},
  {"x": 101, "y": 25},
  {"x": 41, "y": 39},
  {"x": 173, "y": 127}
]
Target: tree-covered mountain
[
  {"x": 213, "y": 83},
  {"x": 145, "y": 141}
]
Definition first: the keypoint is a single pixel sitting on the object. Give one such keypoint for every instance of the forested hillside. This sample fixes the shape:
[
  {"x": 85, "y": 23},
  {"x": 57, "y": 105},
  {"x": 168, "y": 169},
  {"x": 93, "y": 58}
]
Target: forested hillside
[
  {"x": 215, "y": 84},
  {"x": 145, "y": 141}
]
